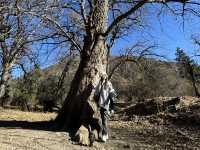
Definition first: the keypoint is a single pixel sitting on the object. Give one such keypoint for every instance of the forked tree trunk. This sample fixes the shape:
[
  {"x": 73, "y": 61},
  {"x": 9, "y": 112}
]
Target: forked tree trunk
[{"x": 80, "y": 107}]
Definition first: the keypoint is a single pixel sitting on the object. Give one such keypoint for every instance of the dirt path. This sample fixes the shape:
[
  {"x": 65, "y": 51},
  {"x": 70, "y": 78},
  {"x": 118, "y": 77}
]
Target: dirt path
[
  {"x": 25, "y": 131},
  {"x": 30, "y": 131}
]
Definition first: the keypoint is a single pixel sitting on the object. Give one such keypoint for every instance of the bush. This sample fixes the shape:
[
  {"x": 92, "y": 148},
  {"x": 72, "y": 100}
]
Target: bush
[{"x": 26, "y": 89}]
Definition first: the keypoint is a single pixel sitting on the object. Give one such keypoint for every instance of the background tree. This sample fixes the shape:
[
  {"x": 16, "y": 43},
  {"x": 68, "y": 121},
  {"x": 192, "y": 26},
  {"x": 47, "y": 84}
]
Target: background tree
[
  {"x": 26, "y": 89},
  {"x": 16, "y": 30},
  {"x": 187, "y": 68},
  {"x": 47, "y": 93}
]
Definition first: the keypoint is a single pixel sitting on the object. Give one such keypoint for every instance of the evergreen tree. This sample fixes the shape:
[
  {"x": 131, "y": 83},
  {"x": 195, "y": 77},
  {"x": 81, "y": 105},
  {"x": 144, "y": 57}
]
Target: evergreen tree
[{"x": 187, "y": 68}]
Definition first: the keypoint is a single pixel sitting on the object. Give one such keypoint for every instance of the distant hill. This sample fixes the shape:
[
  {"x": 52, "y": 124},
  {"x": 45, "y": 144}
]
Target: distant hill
[{"x": 149, "y": 78}]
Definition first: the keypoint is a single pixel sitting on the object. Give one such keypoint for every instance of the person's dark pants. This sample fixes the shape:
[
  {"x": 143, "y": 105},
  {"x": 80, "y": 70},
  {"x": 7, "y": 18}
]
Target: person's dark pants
[{"x": 104, "y": 118}]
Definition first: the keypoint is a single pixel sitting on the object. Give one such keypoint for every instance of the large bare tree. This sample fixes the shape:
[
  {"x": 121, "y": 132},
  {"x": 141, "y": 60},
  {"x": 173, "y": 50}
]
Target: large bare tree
[
  {"x": 17, "y": 33},
  {"x": 98, "y": 26},
  {"x": 92, "y": 26},
  {"x": 12, "y": 39}
]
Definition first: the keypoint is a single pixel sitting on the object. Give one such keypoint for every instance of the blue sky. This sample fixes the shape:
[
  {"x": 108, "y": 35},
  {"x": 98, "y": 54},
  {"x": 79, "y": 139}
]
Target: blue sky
[{"x": 168, "y": 33}]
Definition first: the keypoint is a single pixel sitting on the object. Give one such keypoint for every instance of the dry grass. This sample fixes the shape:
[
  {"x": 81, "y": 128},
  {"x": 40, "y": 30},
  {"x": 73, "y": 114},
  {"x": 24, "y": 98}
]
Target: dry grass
[
  {"x": 10, "y": 114},
  {"x": 135, "y": 134}
]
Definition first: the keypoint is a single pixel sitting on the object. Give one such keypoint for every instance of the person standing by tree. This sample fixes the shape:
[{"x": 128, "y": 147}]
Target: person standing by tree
[{"x": 106, "y": 95}]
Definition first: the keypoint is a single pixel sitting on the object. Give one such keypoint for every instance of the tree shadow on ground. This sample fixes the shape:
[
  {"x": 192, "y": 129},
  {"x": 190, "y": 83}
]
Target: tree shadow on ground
[{"x": 37, "y": 125}]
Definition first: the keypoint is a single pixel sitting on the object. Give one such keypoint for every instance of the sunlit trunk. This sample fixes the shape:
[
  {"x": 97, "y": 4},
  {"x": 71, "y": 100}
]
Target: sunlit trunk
[
  {"x": 80, "y": 107},
  {"x": 5, "y": 77}
]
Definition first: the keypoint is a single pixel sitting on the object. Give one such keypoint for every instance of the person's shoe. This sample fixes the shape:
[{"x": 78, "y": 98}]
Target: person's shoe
[{"x": 104, "y": 138}]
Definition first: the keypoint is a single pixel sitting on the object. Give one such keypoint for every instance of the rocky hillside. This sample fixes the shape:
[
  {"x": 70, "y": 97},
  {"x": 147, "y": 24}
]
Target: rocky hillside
[
  {"x": 136, "y": 81},
  {"x": 183, "y": 110}
]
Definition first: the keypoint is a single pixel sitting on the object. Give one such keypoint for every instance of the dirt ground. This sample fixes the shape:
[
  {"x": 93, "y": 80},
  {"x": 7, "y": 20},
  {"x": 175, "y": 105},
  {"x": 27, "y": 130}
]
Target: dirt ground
[{"x": 29, "y": 131}]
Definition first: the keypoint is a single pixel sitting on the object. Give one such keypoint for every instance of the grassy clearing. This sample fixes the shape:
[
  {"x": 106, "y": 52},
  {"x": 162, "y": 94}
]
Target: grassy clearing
[
  {"x": 11, "y": 114},
  {"x": 139, "y": 133}
]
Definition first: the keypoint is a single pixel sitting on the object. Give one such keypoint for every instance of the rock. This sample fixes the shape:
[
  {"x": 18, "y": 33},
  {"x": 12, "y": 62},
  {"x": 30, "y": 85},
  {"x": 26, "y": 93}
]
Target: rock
[
  {"x": 127, "y": 146},
  {"x": 152, "y": 106},
  {"x": 95, "y": 132},
  {"x": 187, "y": 102},
  {"x": 183, "y": 110},
  {"x": 82, "y": 136}
]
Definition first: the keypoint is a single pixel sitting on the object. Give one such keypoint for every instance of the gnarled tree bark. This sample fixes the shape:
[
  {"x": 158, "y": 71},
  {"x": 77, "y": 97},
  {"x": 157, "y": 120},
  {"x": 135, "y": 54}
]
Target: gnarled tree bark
[
  {"x": 80, "y": 107},
  {"x": 5, "y": 77}
]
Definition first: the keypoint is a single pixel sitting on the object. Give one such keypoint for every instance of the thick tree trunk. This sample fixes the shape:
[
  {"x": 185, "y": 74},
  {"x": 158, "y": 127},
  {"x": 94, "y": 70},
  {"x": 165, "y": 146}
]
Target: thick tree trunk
[
  {"x": 80, "y": 108},
  {"x": 5, "y": 77},
  {"x": 87, "y": 76}
]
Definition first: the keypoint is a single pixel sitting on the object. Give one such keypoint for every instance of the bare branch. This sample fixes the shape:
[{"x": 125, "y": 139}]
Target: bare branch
[
  {"x": 83, "y": 13},
  {"x": 133, "y": 54},
  {"x": 123, "y": 16},
  {"x": 60, "y": 28},
  {"x": 139, "y": 5}
]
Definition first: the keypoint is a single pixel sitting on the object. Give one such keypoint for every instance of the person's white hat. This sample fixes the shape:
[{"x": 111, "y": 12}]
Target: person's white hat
[{"x": 104, "y": 75}]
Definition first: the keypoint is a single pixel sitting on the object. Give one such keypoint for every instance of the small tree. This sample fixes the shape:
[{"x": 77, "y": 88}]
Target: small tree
[
  {"x": 47, "y": 93},
  {"x": 26, "y": 89}
]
